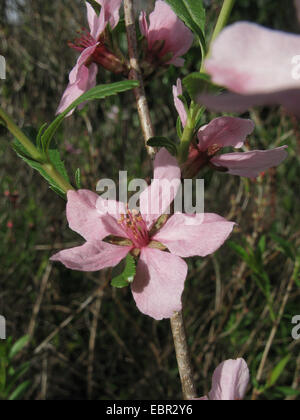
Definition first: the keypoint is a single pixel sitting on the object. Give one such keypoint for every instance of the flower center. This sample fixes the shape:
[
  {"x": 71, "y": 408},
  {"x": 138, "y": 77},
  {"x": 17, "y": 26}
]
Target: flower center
[{"x": 135, "y": 228}]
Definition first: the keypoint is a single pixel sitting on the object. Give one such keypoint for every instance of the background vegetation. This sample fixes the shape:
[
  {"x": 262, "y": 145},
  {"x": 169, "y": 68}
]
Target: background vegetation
[{"x": 86, "y": 339}]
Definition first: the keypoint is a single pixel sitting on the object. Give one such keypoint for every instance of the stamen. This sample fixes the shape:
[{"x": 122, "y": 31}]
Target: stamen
[{"x": 135, "y": 228}]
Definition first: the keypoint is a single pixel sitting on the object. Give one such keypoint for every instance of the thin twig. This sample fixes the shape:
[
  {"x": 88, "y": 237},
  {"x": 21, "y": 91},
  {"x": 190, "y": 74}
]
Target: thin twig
[
  {"x": 177, "y": 325},
  {"x": 183, "y": 357},
  {"x": 136, "y": 74},
  {"x": 39, "y": 300}
]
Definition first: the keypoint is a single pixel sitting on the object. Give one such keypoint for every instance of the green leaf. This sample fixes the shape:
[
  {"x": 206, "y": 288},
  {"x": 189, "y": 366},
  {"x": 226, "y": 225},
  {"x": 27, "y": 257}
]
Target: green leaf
[
  {"x": 179, "y": 128},
  {"x": 163, "y": 142},
  {"x": 19, "y": 391},
  {"x": 78, "y": 178},
  {"x": 192, "y": 13},
  {"x": 96, "y": 6},
  {"x": 288, "y": 392},
  {"x": 119, "y": 282},
  {"x": 98, "y": 92},
  {"x": 196, "y": 83},
  {"x": 277, "y": 371},
  {"x": 18, "y": 346},
  {"x": 127, "y": 276},
  {"x": 55, "y": 159}
]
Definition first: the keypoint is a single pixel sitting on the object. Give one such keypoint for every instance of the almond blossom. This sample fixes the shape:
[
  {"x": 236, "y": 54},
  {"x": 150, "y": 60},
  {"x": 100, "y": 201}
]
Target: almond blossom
[
  {"x": 223, "y": 132},
  {"x": 93, "y": 52},
  {"x": 230, "y": 381},
  {"x": 260, "y": 66},
  {"x": 167, "y": 36},
  {"x": 112, "y": 231}
]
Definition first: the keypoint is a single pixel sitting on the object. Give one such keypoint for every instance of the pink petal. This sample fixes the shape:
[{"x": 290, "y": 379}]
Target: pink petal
[
  {"x": 156, "y": 199},
  {"x": 159, "y": 283},
  {"x": 191, "y": 235},
  {"x": 91, "y": 82},
  {"x": 225, "y": 131},
  {"x": 251, "y": 164},
  {"x": 232, "y": 102},
  {"x": 85, "y": 219},
  {"x": 230, "y": 381},
  {"x": 111, "y": 10},
  {"x": 237, "y": 63},
  {"x": 144, "y": 27},
  {"x": 165, "y": 25},
  {"x": 81, "y": 77},
  {"x": 92, "y": 256},
  {"x": 177, "y": 91},
  {"x": 268, "y": 75}
]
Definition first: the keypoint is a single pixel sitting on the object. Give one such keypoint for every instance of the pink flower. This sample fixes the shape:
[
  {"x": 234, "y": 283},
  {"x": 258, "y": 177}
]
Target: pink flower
[
  {"x": 230, "y": 381},
  {"x": 93, "y": 52},
  {"x": 167, "y": 36},
  {"x": 223, "y": 132},
  {"x": 161, "y": 271},
  {"x": 259, "y": 65}
]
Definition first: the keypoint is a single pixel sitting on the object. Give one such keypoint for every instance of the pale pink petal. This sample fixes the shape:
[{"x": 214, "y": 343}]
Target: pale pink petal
[
  {"x": 75, "y": 75},
  {"x": 111, "y": 212},
  {"x": 250, "y": 59},
  {"x": 91, "y": 82},
  {"x": 233, "y": 102},
  {"x": 194, "y": 235},
  {"x": 230, "y": 381},
  {"x": 251, "y": 164},
  {"x": 83, "y": 216},
  {"x": 156, "y": 199},
  {"x": 111, "y": 10},
  {"x": 143, "y": 24},
  {"x": 177, "y": 91},
  {"x": 80, "y": 79},
  {"x": 268, "y": 75},
  {"x": 92, "y": 256},
  {"x": 159, "y": 283},
  {"x": 225, "y": 131},
  {"x": 165, "y": 25}
]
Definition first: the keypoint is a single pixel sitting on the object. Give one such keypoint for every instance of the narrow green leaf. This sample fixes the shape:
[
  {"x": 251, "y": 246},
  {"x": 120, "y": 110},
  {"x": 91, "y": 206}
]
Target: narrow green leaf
[
  {"x": 55, "y": 159},
  {"x": 78, "y": 178},
  {"x": 128, "y": 274},
  {"x": 277, "y": 371},
  {"x": 98, "y": 92},
  {"x": 18, "y": 346},
  {"x": 192, "y": 13},
  {"x": 96, "y": 6},
  {"x": 163, "y": 142},
  {"x": 18, "y": 392}
]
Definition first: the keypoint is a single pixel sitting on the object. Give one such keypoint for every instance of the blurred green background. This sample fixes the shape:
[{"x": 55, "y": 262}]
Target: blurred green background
[{"x": 88, "y": 340}]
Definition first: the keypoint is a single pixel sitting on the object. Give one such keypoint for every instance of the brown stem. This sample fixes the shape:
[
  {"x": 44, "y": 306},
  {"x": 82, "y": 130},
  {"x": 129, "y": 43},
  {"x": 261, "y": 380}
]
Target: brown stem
[
  {"x": 183, "y": 357},
  {"x": 136, "y": 74},
  {"x": 178, "y": 330}
]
